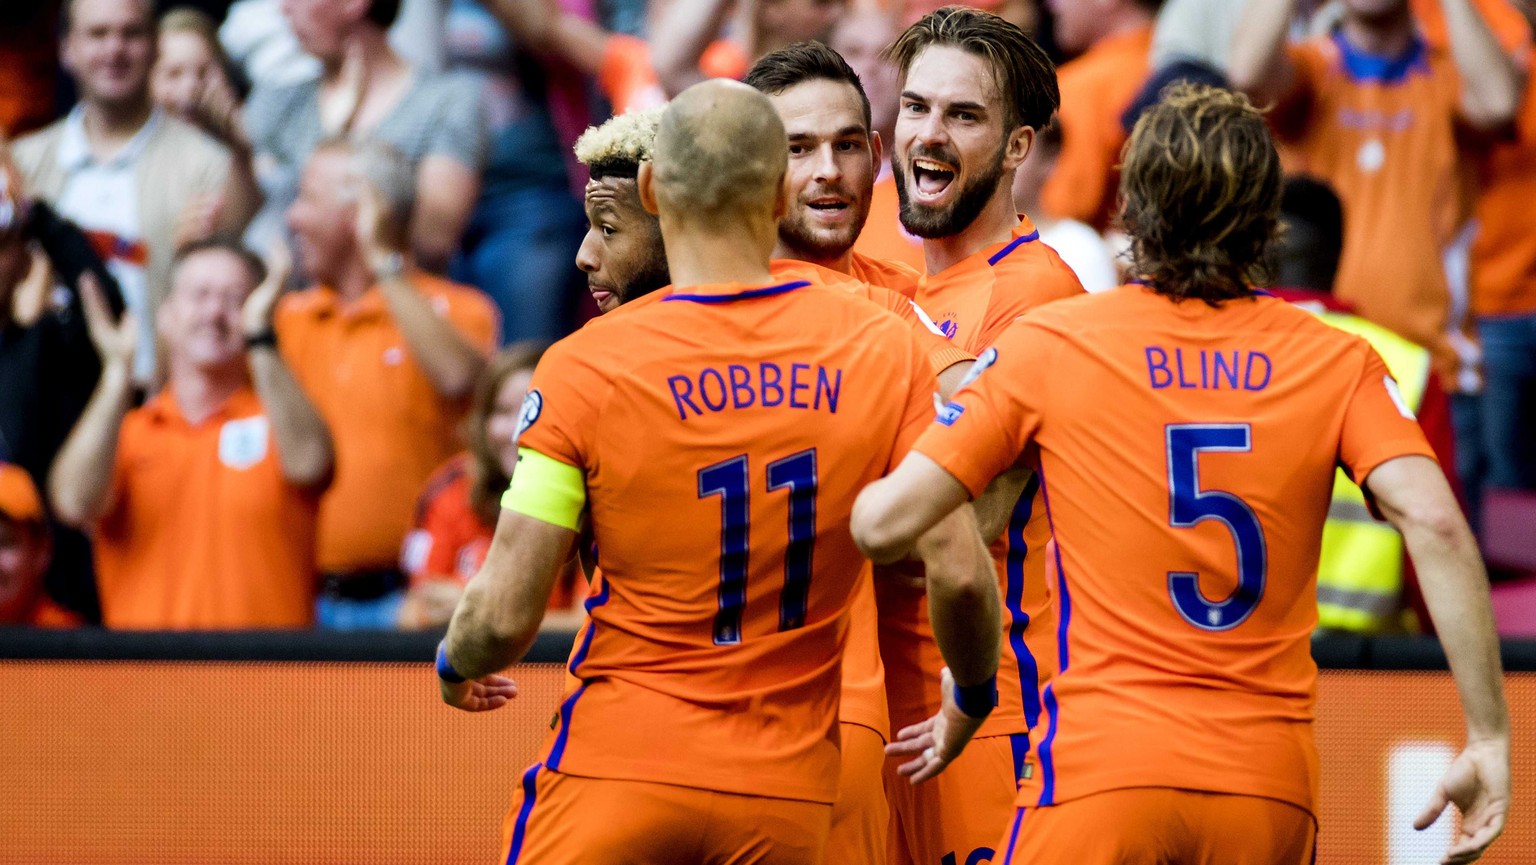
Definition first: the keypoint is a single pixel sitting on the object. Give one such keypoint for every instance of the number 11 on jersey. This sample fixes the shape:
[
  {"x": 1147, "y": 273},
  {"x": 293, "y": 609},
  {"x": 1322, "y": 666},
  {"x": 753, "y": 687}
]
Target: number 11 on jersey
[{"x": 730, "y": 480}]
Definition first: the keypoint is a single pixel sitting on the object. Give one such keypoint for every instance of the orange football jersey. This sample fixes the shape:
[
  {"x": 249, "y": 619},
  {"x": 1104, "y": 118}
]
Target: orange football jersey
[
  {"x": 723, "y": 432},
  {"x": 1187, "y": 453},
  {"x": 973, "y": 301}
]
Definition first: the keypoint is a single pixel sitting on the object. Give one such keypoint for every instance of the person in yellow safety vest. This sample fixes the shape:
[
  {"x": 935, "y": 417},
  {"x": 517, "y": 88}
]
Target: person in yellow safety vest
[{"x": 1363, "y": 585}]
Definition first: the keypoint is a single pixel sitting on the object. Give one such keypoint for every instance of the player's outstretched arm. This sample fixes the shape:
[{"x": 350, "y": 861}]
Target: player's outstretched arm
[
  {"x": 499, "y": 615},
  {"x": 1414, "y": 496},
  {"x": 966, "y": 615},
  {"x": 893, "y": 512}
]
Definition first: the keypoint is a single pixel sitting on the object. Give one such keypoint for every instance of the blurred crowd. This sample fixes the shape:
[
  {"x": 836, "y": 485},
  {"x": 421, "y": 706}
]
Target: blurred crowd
[{"x": 274, "y": 274}]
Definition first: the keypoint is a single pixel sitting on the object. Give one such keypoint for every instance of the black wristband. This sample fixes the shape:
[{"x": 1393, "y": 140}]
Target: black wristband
[
  {"x": 261, "y": 339},
  {"x": 977, "y": 701}
]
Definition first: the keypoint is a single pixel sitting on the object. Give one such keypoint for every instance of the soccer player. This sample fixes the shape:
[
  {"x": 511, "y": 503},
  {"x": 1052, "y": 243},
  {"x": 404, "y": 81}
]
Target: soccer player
[
  {"x": 715, "y": 438},
  {"x": 833, "y": 154},
  {"x": 622, "y": 254},
  {"x": 1187, "y": 432},
  {"x": 974, "y": 91}
]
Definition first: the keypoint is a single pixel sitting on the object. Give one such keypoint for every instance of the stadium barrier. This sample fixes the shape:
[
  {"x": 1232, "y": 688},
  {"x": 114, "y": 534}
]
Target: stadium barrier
[{"x": 307, "y": 747}]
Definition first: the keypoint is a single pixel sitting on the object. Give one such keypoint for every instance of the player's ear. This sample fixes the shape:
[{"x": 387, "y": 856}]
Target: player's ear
[
  {"x": 781, "y": 197},
  {"x": 876, "y": 148},
  {"x": 644, "y": 185},
  {"x": 1020, "y": 141}
]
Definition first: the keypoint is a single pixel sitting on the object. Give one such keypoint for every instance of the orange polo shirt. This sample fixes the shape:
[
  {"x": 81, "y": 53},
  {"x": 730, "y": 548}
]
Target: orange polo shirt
[
  {"x": 883, "y": 238},
  {"x": 203, "y": 531},
  {"x": 390, "y": 426},
  {"x": 1096, "y": 89},
  {"x": 627, "y": 78}
]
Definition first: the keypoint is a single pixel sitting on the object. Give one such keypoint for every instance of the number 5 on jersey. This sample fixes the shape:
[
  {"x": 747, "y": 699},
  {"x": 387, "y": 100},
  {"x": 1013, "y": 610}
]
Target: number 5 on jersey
[
  {"x": 1189, "y": 506},
  {"x": 730, "y": 480}
]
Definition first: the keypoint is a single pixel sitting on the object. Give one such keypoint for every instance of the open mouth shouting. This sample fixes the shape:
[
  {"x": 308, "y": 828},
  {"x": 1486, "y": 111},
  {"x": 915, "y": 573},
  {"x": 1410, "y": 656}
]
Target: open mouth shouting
[{"x": 931, "y": 178}]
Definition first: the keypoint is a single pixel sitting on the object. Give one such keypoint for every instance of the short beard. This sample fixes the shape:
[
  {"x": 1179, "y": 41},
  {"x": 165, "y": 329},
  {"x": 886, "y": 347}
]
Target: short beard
[
  {"x": 929, "y": 222},
  {"x": 808, "y": 245},
  {"x": 652, "y": 275}
]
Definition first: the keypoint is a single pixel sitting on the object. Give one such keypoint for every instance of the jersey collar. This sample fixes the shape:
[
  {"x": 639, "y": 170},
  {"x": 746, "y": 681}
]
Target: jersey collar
[{"x": 731, "y": 291}]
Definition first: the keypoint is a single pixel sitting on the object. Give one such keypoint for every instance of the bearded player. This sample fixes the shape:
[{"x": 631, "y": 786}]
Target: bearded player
[{"x": 974, "y": 91}]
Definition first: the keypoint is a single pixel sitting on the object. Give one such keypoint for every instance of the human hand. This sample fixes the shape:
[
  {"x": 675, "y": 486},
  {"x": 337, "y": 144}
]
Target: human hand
[
  {"x": 1477, "y": 782},
  {"x": 372, "y": 229},
  {"x": 256, "y": 314},
  {"x": 478, "y": 695},
  {"x": 936, "y": 742},
  {"x": 116, "y": 341}
]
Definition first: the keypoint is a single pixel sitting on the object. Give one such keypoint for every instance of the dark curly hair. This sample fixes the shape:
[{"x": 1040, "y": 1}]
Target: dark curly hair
[{"x": 1200, "y": 190}]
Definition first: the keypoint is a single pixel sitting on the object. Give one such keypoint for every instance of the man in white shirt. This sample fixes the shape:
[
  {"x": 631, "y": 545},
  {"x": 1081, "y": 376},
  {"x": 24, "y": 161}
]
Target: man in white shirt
[{"x": 139, "y": 182}]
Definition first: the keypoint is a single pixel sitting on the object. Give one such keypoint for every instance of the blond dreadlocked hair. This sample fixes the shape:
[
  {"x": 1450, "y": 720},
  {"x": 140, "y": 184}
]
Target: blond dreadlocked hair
[{"x": 1200, "y": 190}]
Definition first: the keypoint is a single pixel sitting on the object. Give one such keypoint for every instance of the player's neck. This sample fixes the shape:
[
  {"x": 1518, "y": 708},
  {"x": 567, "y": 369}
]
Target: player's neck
[
  {"x": 995, "y": 224},
  {"x": 200, "y": 392},
  {"x": 840, "y": 263},
  {"x": 711, "y": 255}
]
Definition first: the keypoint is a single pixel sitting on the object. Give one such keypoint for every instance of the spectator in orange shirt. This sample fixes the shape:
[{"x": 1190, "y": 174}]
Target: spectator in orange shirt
[
  {"x": 1504, "y": 299},
  {"x": 25, "y": 549},
  {"x": 389, "y": 354},
  {"x": 693, "y": 29},
  {"x": 456, "y": 515},
  {"x": 1379, "y": 114},
  {"x": 204, "y": 500},
  {"x": 1115, "y": 41}
]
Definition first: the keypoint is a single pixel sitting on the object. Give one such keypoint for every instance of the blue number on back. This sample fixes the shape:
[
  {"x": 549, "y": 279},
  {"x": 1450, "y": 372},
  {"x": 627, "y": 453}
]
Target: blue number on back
[
  {"x": 728, "y": 479},
  {"x": 798, "y": 472},
  {"x": 1190, "y": 506}
]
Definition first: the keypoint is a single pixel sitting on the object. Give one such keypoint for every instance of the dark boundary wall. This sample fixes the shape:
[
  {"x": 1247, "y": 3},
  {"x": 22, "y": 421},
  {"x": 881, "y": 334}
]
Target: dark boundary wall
[{"x": 95, "y": 644}]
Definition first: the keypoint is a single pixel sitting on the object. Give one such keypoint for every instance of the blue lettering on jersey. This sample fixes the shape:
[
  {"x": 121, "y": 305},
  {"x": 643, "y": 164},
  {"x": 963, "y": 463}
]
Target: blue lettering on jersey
[
  {"x": 1206, "y": 369},
  {"x": 810, "y": 386}
]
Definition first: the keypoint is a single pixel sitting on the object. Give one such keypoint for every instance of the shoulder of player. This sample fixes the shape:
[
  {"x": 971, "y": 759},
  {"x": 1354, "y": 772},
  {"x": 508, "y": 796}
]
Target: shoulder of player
[
  {"x": 1038, "y": 272},
  {"x": 897, "y": 276}
]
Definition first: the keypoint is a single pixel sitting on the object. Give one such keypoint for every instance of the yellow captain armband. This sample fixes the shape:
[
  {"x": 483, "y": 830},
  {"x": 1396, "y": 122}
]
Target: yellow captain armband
[{"x": 546, "y": 489}]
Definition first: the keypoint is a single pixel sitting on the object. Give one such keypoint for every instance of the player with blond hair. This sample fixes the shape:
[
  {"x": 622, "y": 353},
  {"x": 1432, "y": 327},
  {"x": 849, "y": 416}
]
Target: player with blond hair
[{"x": 705, "y": 725}]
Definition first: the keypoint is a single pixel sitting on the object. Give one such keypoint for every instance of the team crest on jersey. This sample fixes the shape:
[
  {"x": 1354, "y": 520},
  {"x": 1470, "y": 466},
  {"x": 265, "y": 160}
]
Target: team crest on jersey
[
  {"x": 950, "y": 413},
  {"x": 533, "y": 406},
  {"x": 986, "y": 359},
  {"x": 949, "y": 328}
]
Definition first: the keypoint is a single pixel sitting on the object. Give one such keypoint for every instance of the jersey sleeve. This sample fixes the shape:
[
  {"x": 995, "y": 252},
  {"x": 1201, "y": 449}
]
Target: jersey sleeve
[
  {"x": 1291, "y": 116},
  {"x": 1048, "y": 282},
  {"x": 917, "y": 414},
  {"x": 983, "y": 430},
  {"x": 559, "y": 414},
  {"x": 1378, "y": 425}
]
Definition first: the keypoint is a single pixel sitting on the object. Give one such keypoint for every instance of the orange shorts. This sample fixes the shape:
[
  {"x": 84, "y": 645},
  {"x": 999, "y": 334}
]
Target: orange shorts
[
  {"x": 1148, "y": 825},
  {"x": 566, "y": 820},
  {"x": 955, "y": 819},
  {"x": 860, "y": 816}
]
